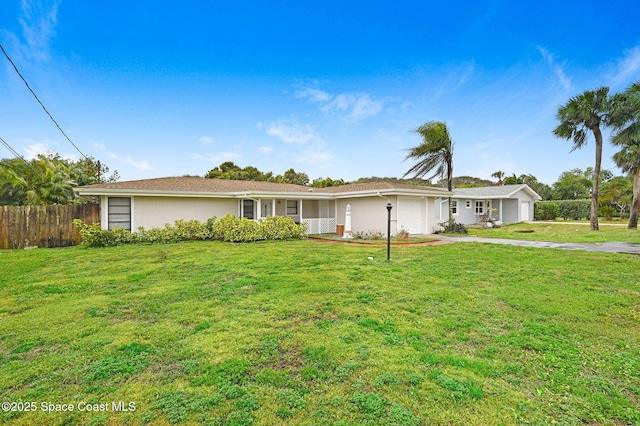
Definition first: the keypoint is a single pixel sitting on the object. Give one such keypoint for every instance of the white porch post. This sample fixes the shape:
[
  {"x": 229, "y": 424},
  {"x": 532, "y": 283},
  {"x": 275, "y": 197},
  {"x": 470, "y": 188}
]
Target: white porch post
[
  {"x": 273, "y": 207},
  {"x": 347, "y": 223},
  {"x": 500, "y": 215},
  {"x": 259, "y": 203},
  {"x": 300, "y": 202}
]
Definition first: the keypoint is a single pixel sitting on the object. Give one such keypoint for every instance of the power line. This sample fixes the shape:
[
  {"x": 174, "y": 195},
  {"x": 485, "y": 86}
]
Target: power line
[
  {"x": 14, "y": 152},
  {"x": 41, "y": 104}
]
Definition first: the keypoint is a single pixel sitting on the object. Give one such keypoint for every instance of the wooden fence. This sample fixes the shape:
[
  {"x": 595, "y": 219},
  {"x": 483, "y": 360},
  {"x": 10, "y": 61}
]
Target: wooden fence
[{"x": 43, "y": 226}]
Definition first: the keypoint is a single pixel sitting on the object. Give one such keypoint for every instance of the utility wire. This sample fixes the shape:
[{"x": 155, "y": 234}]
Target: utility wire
[
  {"x": 14, "y": 152},
  {"x": 41, "y": 104}
]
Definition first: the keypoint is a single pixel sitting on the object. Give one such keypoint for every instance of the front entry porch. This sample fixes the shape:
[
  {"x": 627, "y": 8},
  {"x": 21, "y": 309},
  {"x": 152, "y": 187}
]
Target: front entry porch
[{"x": 318, "y": 215}]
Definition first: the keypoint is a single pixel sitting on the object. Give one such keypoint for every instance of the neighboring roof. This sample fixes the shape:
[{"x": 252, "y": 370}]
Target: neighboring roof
[
  {"x": 502, "y": 191},
  {"x": 197, "y": 186},
  {"x": 381, "y": 186}
]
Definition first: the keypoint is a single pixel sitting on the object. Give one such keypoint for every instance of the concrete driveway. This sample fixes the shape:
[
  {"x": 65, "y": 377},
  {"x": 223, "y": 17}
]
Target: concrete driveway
[{"x": 612, "y": 247}]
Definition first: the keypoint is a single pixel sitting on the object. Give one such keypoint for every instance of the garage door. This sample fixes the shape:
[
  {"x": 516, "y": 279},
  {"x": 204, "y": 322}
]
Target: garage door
[{"x": 412, "y": 215}]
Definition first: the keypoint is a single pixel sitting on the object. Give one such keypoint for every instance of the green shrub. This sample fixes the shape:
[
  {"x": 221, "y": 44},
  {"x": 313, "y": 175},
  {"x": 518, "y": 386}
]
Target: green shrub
[
  {"x": 280, "y": 228},
  {"x": 241, "y": 230},
  {"x": 545, "y": 210},
  {"x": 574, "y": 209},
  {"x": 453, "y": 227},
  {"x": 228, "y": 228},
  {"x": 607, "y": 212},
  {"x": 94, "y": 236}
]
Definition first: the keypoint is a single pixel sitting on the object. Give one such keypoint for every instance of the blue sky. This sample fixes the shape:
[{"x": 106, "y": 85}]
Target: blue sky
[{"x": 331, "y": 88}]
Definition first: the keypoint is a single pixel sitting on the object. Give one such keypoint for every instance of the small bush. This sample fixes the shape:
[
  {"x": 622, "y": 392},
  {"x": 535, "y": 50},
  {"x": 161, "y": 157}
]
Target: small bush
[
  {"x": 453, "y": 227},
  {"x": 94, "y": 236},
  {"x": 402, "y": 235},
  {"x": 371, "y": 235}
]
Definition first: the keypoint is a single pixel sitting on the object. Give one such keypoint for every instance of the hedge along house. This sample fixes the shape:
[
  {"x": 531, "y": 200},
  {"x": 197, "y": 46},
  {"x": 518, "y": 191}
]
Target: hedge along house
[
  {"x": 151, "y": 203},
  {"x": 506, "y": 203}
]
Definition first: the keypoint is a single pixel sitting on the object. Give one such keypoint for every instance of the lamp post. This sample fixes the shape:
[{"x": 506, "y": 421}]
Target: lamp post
[{"x": 389, "y": 206}]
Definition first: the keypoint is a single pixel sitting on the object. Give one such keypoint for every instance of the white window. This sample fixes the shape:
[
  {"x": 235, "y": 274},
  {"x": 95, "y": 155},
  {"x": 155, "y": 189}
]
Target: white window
[
  {"x": 479, "y": 207},
  {"x": 454, "y": 206},
  {"x": 467, "y": 204},
  {"x": 292, "y": 207}
]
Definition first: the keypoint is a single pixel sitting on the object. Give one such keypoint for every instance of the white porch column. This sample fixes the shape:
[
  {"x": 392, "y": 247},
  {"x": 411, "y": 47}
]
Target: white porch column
[
  {"x": 259, "y": 209},
  {"x": 273, "y": 207},
  {"x": 500, "y": 215},
  {"x": 300, "y": 203}
]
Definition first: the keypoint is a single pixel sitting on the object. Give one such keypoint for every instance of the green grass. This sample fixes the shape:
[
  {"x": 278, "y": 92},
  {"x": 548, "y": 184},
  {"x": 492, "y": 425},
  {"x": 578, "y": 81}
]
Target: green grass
[
  {"x": 305, "y": 332},
  {"x": 560, "y": 232}
]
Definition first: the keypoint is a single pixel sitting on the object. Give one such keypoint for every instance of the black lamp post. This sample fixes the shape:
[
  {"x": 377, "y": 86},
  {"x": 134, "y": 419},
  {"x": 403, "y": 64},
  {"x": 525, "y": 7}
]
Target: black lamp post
[{"x": 389, "y": 206}]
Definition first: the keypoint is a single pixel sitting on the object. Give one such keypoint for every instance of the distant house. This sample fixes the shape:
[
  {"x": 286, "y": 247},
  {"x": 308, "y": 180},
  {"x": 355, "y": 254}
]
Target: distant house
[
  {"x": 153, "y": 202},
  {"x": 507, "y": 203}
]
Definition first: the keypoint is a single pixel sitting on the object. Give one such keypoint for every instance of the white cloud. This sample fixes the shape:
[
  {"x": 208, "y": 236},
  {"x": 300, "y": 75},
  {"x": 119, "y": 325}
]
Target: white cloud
[
  {"x": 565, "y": 81},
  {"x": 34, "y": 148},
  {"x": 206, "y": 140},
  {"x": 265, "y": 149},
  {"x": 627, "y": 68},
  {"x": 38, "y": 20},
  {"x": 355, "y": 106},
  {"x": 140, "y": 165},
  {"x": 453, "y": 80},
  {"x": 291, "y": 133},
  {"x": 312, "y": 149},
  {"x": 315, "y": 154},
  {"x": 313, "y": 95}
]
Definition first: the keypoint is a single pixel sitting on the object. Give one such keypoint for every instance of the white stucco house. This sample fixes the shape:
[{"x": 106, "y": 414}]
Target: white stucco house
[
  {"x": 506, "y": 203},
  {"x": 153, "y": 202}
]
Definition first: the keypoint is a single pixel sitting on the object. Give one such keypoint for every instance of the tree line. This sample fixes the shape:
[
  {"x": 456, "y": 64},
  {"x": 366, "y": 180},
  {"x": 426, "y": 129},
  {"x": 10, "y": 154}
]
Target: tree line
[{"x": 48, "y": 179}]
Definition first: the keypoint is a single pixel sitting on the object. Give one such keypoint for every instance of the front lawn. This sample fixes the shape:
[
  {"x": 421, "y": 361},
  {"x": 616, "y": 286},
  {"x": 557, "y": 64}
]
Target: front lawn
[
  {"x": 560, "y": 232},
  {"x": 305, "y": 332}
]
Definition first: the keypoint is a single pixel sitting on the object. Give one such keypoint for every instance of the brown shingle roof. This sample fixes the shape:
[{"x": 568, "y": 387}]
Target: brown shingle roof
[
  {"x": 198, "y": 184},
  {"x": 374, "y": 186}
]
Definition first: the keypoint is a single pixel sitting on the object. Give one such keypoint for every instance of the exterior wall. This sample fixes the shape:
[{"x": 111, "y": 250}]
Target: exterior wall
[
  {"x": 511, "y": 210},
  {"x": 369, "y": 214},
  {"x": 465, "y": 215},
  {"x": 154, "y": 212}
]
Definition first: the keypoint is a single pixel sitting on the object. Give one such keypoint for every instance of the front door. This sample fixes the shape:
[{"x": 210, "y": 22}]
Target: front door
[
  {"x": 267, "y": 208},
  {"x": 524, "y": 211}
]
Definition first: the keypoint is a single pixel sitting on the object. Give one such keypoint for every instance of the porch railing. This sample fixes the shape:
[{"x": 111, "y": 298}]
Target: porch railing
[{"x": 321, "y": 225}]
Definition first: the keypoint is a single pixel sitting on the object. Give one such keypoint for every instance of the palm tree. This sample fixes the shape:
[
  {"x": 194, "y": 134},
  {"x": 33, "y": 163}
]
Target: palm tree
[
  {"x": 434, "y": 155},
  {"x": 627, "y": 120},
  {"x": 628, "y": 159},
  {"x": 499, "y": 175},
  {"x": 579, "y": 116}
]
